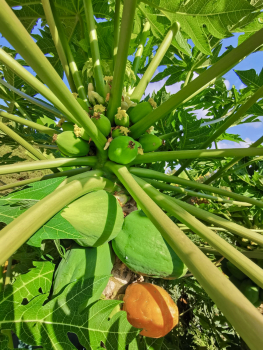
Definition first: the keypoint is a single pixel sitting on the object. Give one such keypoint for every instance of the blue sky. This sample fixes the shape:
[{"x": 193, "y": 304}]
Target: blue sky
[{"x": 248, "y": 132}]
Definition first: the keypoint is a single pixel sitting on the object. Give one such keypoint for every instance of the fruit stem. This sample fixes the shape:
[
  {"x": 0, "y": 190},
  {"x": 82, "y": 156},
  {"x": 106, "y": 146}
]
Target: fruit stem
[
  {"x": 147, "y": 76},
  {"x": 198, "y": 84},
  {"x": 121, "y": 59},
  {"x": 95, "y": 53}
]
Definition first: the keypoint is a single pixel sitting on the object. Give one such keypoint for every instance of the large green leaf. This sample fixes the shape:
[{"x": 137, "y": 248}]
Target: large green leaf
[
  {"x": 251, "y": 78},
  {"x": 41, "y": 322}
]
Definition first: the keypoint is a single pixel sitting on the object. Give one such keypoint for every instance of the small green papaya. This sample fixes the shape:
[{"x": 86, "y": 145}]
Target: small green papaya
[
  {"x": 257, "y": 303},
  {"x": 120, "y": 131},
  {"x": 250, "y": 290},
  {"x": 122, "y": 118},
  {"x": 141, "y": 247},
  {"x": 80, "y": 132},
  {"x": 83, "y": 264},
  {"x": 72, "y": 146},
  {"x": 141, "y": 110},
  {"x": 102, "y": 123},
  {"x": 150, "y": 142},
  {"x": 68, "y": 126},
  {"x": 235, "y": 271},
  {"x": 97, "y": 215},
  {"x": 123, "y": 150}
]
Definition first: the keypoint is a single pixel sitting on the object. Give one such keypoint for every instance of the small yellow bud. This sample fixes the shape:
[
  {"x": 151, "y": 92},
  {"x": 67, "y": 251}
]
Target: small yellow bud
[
  {"x": 152, "y": 102},
  {"x": 121, "y": 114},
  {"x": 99, "y": 108}
]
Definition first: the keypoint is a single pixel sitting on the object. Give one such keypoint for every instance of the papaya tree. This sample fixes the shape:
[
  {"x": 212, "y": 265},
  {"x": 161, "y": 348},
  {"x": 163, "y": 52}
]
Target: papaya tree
[{"x": 74, "y": 96}]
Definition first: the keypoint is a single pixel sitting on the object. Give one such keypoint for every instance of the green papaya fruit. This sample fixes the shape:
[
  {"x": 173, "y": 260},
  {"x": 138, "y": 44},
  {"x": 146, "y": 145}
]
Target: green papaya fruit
[
  {"x": 141, "y": 110},
  {"x": 102, "y": 123},
  {"x": 120, "y": 131},
  {"x": 82, "y": 264},
  {"x": 72, "y": 146},
  {"x": 257, "y": 303},
  {"x": 235, "y": 271},
  {"x": 250, "y": 290},
  {"x": 235, "y": 281},
  {"x": 150, "y": 142},
  {"x": 122, "y": 118},
  {"x": 141, "y": 247},
  {"x": 123, "y": 150},
  {"x": 97, "y": 215},
  {"x": 68, "y": 126}
]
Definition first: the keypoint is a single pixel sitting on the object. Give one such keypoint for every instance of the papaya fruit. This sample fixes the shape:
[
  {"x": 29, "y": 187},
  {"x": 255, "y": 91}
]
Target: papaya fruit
[
  {"x": 72, "y": 146},
  {"x": 80, "y": 132},
  {"x": 141, "y": 110},
  {"x": 151, "y": 308},
  {"x": 97, "y": 215},
  {"x": 123, "y": 150},
  {"x": 235, "y": 271},
  {"x": 68, "y": 126},
  {"x": 102, "y": 123},
  {"x": 141, "y": 247},
  {"x": 82, "y": 264},
  {"x": 120, "y": 131},
  {"x": 250, "y": 290},
  {"x": 122, "y": 118},
  {"x": 150, "y": 142},
  {"x": 235, "y": 281}
]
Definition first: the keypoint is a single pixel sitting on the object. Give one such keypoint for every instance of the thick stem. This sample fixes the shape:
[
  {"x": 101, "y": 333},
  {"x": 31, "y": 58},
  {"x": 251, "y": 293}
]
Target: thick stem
[
  {"x": 57, "y": 42},
  {"x": 229, "y": 165},
  {"x": 193, "y": 154},
  {"x": 28, "y": 123},
  {"x": 42, "y": 178},
  {"x": 70, "y": 59},
  {"x": 20, "y": 39},
  {"x": 21, "y": 141},
  {"x": 116, "y": 30},
  {"x": 139, "y": 52},
  {"x": 22, "y": 228},
  {"x": 152, "y": 174},
  {"x": 147, "y": 76},
  {"x": 95, "y": 52},
  {"x": 235, "y": 306},
  {"x": 47, "y": 164},
  {"x": 198, "y": 84},
  {"x": 252, "y": 270},
  {"x": 121, "y": 59},
  {"x": 230, "y": 121},
  {"x": 165, "y": 187},
  {"x": 33, "y": 100}
]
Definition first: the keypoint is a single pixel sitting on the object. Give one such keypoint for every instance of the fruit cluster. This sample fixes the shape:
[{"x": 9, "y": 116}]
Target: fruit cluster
[{"x": 75, "y": 142}]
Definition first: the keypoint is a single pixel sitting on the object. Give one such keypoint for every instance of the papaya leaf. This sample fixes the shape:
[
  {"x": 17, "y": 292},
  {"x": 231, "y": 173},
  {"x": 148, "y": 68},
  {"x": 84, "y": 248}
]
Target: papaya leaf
[
  {"x": 33, "y": 194},
  {"x": 46, "y": 323},
  {"x": 55, "y": 228},
  {"x": 144, "y": 343},
  {"x": 250, "y": 78}
]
